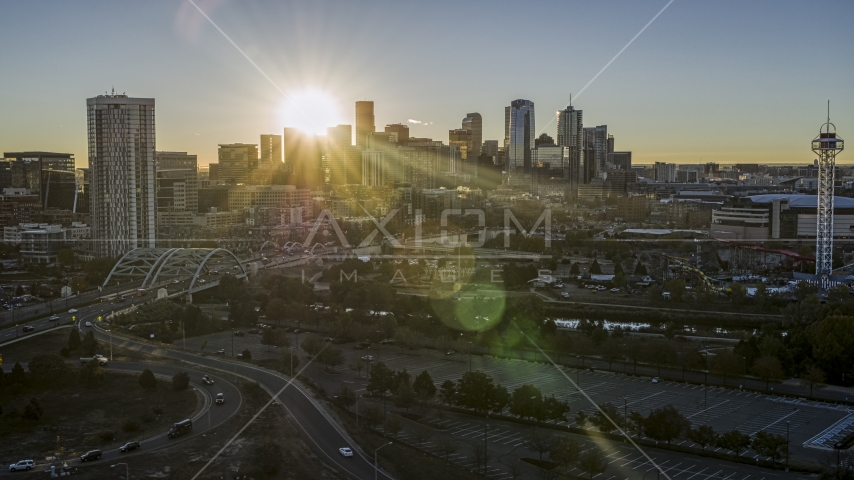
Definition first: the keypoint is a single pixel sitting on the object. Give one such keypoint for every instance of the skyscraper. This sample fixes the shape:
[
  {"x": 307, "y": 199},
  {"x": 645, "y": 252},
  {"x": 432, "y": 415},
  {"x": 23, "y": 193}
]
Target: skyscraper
[
  {"x": 237, "y": 161},
  {"x": 271, "y": 150},
  {"x": 122, "y": 168},
  {"x": 364, "y": 121},
  {"x": 569, "y": 134},
  {"x": 49, "y": 175},
  {"x": 401, "y": 130},
  {"x": 595, "y": 151},
  {"x": 303, "y": 156},
  {"x": 474, "y": 123},
  {"x": 463, "y": 139},
  {"x": 521, "y": 131}
]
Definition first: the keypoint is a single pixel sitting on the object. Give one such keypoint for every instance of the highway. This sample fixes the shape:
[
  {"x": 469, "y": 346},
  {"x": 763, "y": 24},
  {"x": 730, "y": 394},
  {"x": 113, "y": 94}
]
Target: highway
[{"x": 323, "y": 435}]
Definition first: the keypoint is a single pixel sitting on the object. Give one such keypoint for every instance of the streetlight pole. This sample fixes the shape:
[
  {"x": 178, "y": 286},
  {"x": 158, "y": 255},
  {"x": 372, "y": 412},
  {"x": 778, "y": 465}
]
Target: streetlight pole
[
  {"x": 110, "y": 331},
  {"x": 470, "y": 347},
  {"x": 376, "y": 465},
  {"x": 127, "y": 471},
  {"x": 787, "y": 446},
  {"x": 705, "y": 389}
]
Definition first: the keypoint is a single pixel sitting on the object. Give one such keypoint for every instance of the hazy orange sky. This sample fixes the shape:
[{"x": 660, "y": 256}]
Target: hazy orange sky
[{"x": 724, "y": 81}]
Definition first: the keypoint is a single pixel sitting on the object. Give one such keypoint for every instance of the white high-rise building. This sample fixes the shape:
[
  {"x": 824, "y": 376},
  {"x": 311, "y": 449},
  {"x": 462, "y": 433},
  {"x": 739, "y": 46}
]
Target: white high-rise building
[{"x": 122, "y": 173}]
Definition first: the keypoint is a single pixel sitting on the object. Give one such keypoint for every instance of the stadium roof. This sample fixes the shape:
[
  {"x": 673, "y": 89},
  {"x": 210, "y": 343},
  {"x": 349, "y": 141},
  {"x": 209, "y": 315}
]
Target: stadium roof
[{"x": 801, "y": 201}]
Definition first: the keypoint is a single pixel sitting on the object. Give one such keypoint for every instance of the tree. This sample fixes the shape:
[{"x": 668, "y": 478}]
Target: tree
[
  {"x": 404, "y": 395},
  {"x": 726, "y": 363},
  {"x": 331, "y": 357},
  {"x": 832, "y": 340},
  {"x": 676, "y": 287},
  {"x": 246, "y": 354},
  {"x": 600, "y": 421},
  {"x": 565, "y": 452},
  {"x": 448, "y": 392},
  {"x": 640, "y": 269},
  {"x": 289, "y": 360},
  {"x": 312, "y": 345},
  {"x": 92, "y": 375},
  {"x": 768, "y": 368},
  {"x": 147, "y": 380},
  {"x": 475, "y": 390},
  {"x": 381, "y": 381},
  {"x": 481, "y": 455},
  {"x": 17, "y": 375},
  {"x": 74, "y": 339},
  {"x": 89, "y": 345},
  {"x": 277, "y": 338},
  {"x": 447, "y": 446},
  {"x": 703, "y": 435},
  {"x": 276, "y": 310},
  {"x": 769, "y": 445},
  {"x": 574, "y": 270},
  {"x": 540, "y": 441},
  {"x": 592, "y": 462},
  {"x": 393, "y": 426},
  {"x": 813, "y": 378},
  {"x": 595, "y": 268},
  {"x": 733, "y": 441},
  {"x": 666, "y": 424},
  {"x": 19, "y": 290},
  {"x": 737, "y": 293},
  {"x": 50, "y": 370},
  {"x": 373, "y": 415},
  {"x": 180, "y": 381},
  {"x": 78, "y": 284},
  {"x": 65, "y": 257},
  {"x": 345, "y": 398},
  {"x": 636, "y": 420},
  {"x": 526, "y": 401},
  {"x": 423, "y": 385}
]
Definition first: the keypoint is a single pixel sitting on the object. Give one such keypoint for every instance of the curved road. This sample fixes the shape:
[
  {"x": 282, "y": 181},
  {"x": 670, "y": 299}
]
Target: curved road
[
  {"x": 209, "y": 417},
  {"x": 319, "y": 431}
]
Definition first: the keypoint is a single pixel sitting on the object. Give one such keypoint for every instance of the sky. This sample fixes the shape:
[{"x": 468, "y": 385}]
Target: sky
[{"x": 722, "y": 81}]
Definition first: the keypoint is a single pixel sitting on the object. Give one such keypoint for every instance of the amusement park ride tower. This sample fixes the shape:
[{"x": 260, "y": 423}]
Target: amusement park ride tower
[{"x": 827, "y": 145}]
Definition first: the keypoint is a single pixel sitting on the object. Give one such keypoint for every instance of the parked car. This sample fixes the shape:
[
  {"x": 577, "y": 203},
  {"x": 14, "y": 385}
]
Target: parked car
[
  {"x": 655, "y": 379},
  {"x": 207, "y": 380},
  {"x": 345, "y": 452},
  {"x": 221, "y": 351},
  {"x": 90, "y": 455},
  {"x": 239, "y": 334},
  {"x": 254, "y": 331},
  {"x": 22, "y": 465},
  {"x": 615, "y": 290},
  {"x": 220, "y": 399},
  {"x": 564, "y": 294},
  {"x": 129, "y": 446},
  {"x": 368, "y": 358}
]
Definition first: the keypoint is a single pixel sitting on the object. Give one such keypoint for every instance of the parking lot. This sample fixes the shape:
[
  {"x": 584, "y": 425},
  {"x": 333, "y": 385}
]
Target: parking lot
[{"x": 812, "y": 426}]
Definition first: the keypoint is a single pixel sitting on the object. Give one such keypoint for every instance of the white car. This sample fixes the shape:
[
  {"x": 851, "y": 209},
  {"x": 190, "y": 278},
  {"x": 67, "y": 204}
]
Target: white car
[
  {"x": 207, "y": 380},
  {"x": 368, "y": 358},
  {"x": 88, "y": 324},
  {"x": 564, "y": 294},
  {"x": 28, "y": 464},
  {"x": 73, "y": 310},
  {"x": 655, "y": 379},
  {"x": 345, "y": 451},
  {"x": 615, "y": 290}
]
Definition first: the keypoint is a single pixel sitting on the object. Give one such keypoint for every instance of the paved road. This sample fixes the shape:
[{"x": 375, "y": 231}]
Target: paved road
[
  {"x": 319, "y": 431},
  {"x": 209, "y": 417}
]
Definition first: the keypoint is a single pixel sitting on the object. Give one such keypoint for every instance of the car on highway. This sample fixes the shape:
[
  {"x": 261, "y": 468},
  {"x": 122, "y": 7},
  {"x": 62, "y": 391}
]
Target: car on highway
[
  {"x": 181, "y": 428},
  {"x": 174, "y": 281},
  {"x": 220, "y": 399},
  {"x": 207, "y": 380},
  {"x": 22, "y": 465},
  {"x": 129, "y": 446},
  {"x": 345, "y": 451},
  {"x": 203, "y": 281},
  {"x": 368, "y": 358},
  {"x": 28, "y": 328},
  {"x": 655, "y": 379},
  {"x": 221, "y": 351},
  {"x": 73, "y": 310},
  {"x": 91, "y": 455},
  {"x": 53, "y": 318},
  {"x": 88, "y": 324}
]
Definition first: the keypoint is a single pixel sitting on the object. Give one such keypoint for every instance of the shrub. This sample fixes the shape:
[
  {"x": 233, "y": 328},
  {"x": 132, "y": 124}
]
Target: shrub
[
  {"x": 158, "y": 410},
  {"x": 180, "y": 381},
  {"x": 30, "y": 413},
  {"x": 65, "y": 352},
  {"x": 106, "y": 436},
  {"x": 130, "y": 426},
  {"x": 146, "y": 417},
  {"x": 92, "y": 375},
  {"x": 147, "y": 380}
]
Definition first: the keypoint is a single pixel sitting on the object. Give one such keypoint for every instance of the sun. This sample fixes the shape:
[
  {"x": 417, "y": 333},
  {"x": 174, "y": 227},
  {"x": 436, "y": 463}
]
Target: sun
[{"x": 311, "y": 111}]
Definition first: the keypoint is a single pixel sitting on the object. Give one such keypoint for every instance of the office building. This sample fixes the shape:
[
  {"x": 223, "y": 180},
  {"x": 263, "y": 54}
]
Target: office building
[
  {"x": 664, "y": 172},
  {"x": 520, "y": 129},
  {"x": 620, "y": 161},
  {"x": 49, "y": 175},
  {"x": 236, "y": 162},
  {"x": 490, "y": 147},
  {"x": 474, "y": 123},
  {"x": 401, "y": 131},
  {"x": 595, "y": 145},
  {"x": 364, "y": 121},
  {"x": 121, "y": 165},
  {"x": 462, "y": 139},
  {"x": 271, "y": 150},
  {"x": 304, "y": 158},
  {"x": 374, "y": 168},
  {"x": 177, "y": 183},
  {"x": 345, "y": 165}
]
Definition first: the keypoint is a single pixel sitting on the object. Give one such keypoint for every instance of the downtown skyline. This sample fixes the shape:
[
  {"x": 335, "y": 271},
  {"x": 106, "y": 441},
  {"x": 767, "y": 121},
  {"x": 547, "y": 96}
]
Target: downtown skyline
[{"x": 724, "y": 89}]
